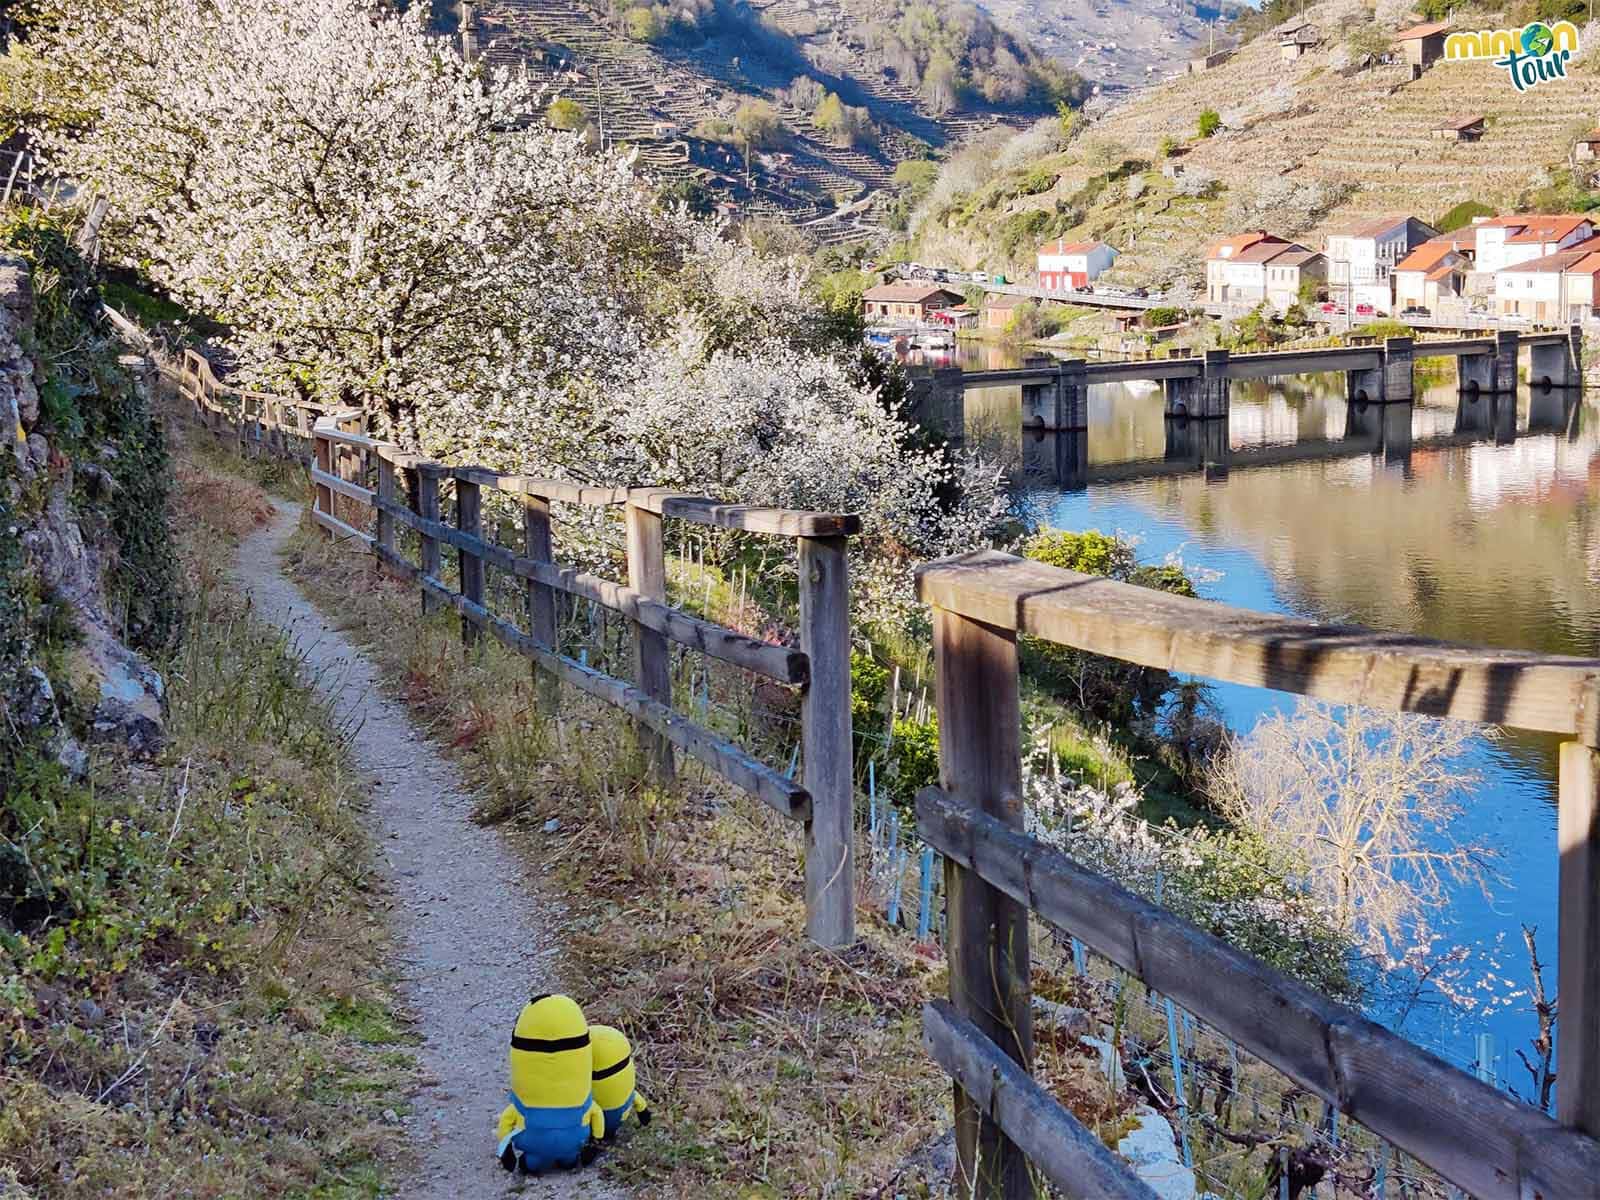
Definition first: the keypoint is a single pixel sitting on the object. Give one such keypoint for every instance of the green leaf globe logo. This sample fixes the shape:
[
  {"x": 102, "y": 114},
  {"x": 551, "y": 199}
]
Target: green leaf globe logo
[{"x": 1537, "y": 39}]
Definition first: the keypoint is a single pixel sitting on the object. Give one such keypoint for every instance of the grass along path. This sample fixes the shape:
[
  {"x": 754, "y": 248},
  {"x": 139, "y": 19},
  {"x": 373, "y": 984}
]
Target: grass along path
[{"x": 477, "y": 935}]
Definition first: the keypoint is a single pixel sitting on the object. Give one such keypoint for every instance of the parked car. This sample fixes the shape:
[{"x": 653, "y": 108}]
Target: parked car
[
  {"x": 1331, "y": 309},
  {"x": 1415, "y": 310},
  {"x": 980, "y": 277}
]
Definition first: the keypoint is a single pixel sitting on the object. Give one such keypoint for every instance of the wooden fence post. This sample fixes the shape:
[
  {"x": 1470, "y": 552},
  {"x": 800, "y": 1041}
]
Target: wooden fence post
[
  {"x": 647, "y": 575},
  {"x": 980, "y": 764},
  {"x": 427, "y": 504},
  {"x": 324, "y": 494},
  {"x": 826, "y": 742},
  {"x": 469, "y": 519},
  {"x": 541, "y": 596},
  {"x": 385, "y": 522},
  {"x": 1578, "y": 940}
]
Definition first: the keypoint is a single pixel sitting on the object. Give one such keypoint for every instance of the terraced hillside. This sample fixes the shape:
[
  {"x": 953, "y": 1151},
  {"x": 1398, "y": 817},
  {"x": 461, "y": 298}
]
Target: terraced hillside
[
  {"x": 653, "y": 97},
  {"x": 1304, "y": 148}
]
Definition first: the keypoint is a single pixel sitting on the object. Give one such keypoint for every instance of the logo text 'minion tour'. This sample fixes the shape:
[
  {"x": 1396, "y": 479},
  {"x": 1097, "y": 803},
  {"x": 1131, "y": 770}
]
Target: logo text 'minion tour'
[{"x": 1531, "y": 55}]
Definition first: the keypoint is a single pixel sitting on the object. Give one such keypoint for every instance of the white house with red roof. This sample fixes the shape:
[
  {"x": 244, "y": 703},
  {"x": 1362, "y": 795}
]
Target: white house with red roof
[
  {"x": 1255, "y": 267},
  {"x": 1555, "y": 288},
  {"x": 1064, "y": 264},
  {"x": 1523, "y": 237},
  {"x": 1433, "y": 276}
]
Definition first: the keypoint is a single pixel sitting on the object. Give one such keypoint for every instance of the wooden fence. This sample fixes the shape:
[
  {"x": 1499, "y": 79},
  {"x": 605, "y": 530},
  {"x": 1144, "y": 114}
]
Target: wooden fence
[
  {"x": 1473, "y": 1135},
  {"x": 357, "y": 481},
  {"x": 362, "y": 471},
  {"x": 262, "y": 423}
]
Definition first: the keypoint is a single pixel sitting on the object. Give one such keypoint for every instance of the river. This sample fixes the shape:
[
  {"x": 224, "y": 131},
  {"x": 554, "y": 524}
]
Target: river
[{"x": 1482, "y": 538}]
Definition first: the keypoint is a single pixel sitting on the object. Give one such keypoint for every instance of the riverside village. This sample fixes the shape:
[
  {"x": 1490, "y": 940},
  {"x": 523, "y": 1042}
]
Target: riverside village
[{"x": 799, "y": 600}]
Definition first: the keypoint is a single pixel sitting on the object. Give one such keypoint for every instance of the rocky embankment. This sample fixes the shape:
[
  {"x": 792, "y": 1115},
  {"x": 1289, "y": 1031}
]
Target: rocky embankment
[{"x": 67, "y": 675}]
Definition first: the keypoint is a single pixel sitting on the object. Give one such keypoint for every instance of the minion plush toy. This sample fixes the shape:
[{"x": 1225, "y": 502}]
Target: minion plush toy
[
  {"x": 614, "y": 1088},
  {"x": 552, "y": 1116}
]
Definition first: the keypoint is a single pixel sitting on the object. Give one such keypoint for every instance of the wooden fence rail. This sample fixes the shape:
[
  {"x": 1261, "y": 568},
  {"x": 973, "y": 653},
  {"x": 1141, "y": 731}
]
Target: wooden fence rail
[
  {"x": 1472, "y": 1135},
  {"x": 356, "y": 482}
]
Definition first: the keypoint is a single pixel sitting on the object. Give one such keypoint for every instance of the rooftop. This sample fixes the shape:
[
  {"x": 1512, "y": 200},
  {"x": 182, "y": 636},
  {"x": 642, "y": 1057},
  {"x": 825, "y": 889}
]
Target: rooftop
[
  {"x": 1546, "y": 229},
  {"x": 1561, "y": 260},
  {"x": 1427, "y": 256},
  {"x": 1422, "y": 31},
  {"x": 1062, "y": 246},
  {"x": 1461, "y": 122},
  {"x": 1271, "y": 249},
  {"x": 1230, "y": 247},
  {"x": 1295, "y": 256},
  {"x": 1374, "y": 226},
  {"x": 907, "y": 293}
]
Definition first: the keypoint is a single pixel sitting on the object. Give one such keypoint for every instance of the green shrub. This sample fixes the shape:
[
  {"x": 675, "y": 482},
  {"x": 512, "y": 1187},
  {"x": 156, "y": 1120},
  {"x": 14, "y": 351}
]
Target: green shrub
[
  {"x": 1210, "y": 121},
  {"x": 913, "y": 759},
  {"x": 642, "y": 25},
  {"x": 1165, "y": 315},
  {"x": 1461, "y": 215},
  {"x": 1038, "y": 180},
  {"x": 1105, "y": 689},
  {"x": 565, "y": 113},
  {"x": 1090, "y": 553}
]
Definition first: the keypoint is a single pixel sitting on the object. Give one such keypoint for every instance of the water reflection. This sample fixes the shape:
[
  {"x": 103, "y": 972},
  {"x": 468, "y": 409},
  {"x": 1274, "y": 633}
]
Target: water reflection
[{"x": 1471, "y": 520}]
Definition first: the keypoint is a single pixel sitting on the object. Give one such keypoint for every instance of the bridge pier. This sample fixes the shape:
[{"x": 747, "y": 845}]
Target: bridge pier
[
  {"x": 1399, "y": 377},
  {"x": 1558, "y": 365},
  {"x": 1060, "y": 403},
  {"x": 1507, "y": 342},
  {"x": 1203, "y": 398},
  {"x": 1475, "y": 374},
  {"x": 938, "y": 401},
  {"x": 1073, "y": 397},
  {"x": 1396, "y": 436},
  {"x": 1364, "y": 385},
  {"x": 1550, "y": 410}
]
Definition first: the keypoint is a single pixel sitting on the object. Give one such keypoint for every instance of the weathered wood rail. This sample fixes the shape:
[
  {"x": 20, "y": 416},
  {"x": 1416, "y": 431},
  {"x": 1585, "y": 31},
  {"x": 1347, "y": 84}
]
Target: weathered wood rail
[
  {"x": 1474, "y": 1136},
  {"x": 357, "y": 484},
  {"x": 358, "y": 489},
  {"x": 262, "y": 423}
]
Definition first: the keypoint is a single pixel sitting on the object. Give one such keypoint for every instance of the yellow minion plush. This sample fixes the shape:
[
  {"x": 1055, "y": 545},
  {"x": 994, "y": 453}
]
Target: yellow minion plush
[
  {"x": 614, "y": 1089},
  {"x": 552, "y": 1116}
]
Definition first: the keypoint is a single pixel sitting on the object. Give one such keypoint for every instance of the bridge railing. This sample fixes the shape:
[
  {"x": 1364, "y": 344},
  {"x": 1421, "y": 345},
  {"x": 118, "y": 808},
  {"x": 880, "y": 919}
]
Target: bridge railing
[
  {"x": 1474, "y": 1136},
  {"x": 359, "y": 495}
]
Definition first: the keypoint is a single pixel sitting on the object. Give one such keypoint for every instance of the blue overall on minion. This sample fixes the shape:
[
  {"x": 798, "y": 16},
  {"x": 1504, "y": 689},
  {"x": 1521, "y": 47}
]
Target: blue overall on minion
[{"x": 552, "y": 1120}]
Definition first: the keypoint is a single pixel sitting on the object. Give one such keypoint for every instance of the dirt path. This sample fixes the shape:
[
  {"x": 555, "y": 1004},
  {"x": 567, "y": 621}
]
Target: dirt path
[{"x": 475, "y": 941}]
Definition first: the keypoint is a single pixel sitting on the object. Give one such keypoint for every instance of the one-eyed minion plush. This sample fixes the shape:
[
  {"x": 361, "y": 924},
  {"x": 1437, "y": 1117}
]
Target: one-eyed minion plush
[
  {"x": 614, "y": 1078},
  {"x": 552, "y": 1120}
]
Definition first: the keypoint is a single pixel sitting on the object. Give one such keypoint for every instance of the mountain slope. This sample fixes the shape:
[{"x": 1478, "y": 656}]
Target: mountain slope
[
  {"x": 1117, "y": 44},
  {"x": 671, "y": 81}
]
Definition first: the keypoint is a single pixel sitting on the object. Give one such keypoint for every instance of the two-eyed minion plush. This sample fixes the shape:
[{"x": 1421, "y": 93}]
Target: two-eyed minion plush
[
  {"x": 614, "y": 1089},
  {"x": 552, "y": 1115}
]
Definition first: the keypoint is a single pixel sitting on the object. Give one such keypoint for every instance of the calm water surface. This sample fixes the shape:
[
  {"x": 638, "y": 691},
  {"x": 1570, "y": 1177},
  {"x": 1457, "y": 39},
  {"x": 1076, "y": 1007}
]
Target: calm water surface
[{"x": 1484, "y": 531}]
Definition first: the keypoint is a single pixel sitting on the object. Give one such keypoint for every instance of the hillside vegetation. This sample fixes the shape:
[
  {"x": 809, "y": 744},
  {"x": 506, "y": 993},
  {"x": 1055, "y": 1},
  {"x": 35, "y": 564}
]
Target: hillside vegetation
[
  {"x": 857, "y": 87},
  {"x": 1301, "y": 149}
]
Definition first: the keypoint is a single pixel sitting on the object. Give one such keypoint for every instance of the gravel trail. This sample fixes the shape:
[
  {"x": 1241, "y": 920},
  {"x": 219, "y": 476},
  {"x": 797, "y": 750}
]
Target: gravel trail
[{"x": 474, "y": 938}]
